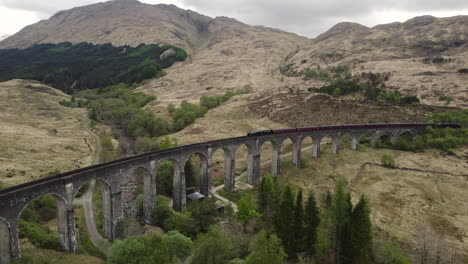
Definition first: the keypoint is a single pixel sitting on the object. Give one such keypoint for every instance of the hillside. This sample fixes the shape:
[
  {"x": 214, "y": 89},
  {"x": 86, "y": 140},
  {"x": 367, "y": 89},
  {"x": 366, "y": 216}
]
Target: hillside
[
  {"x": 399, "y": 49},
  {"x": 39, "y": 136}
]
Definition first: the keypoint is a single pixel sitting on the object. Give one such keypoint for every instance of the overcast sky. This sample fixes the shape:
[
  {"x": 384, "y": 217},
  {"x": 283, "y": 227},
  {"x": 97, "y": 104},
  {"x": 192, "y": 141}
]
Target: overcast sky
[{"x": 304, "y": 17}]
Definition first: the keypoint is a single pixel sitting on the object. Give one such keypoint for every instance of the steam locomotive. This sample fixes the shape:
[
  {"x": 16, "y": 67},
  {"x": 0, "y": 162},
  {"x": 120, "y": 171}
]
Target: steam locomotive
[{"x": 349, "y": 126}]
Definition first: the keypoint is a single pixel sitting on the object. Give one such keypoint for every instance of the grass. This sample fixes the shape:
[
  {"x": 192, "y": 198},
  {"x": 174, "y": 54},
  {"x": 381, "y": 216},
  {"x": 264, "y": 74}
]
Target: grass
[
  {"x": 400, "y": 200},
  {"x": 235, "y": 196},
  {"x": 37, "y": 132},
  {"x": 46, "y": 256}
]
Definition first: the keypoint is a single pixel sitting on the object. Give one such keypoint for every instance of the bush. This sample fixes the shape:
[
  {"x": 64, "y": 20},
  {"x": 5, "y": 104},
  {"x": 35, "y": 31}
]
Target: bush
[
  {"x": 388, "y": 161},
  {"x": 390, "y": 254},
  {"x": 463, "y": 71},
  {"x": 39, "y": 235},
  {"x": 139, "y": 204},
  {"x": 139, "y": 249},
  {"x": 160, "y": 213},
  {"x": 178, "y": 245},
  {"x": 184, "y": 224}
]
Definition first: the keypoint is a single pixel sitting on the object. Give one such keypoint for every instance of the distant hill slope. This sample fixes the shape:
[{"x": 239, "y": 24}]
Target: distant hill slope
[
  {"x": 225, "y": 54},
  {"x": 39, "y": 136},
  {"x": 118, "y": 22},
  {"x": 417, "y": 37}
]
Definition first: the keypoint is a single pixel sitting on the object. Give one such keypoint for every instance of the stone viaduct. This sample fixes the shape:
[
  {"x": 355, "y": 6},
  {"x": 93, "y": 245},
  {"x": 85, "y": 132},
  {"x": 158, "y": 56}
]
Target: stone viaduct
[{"x": 65, "y": 186}]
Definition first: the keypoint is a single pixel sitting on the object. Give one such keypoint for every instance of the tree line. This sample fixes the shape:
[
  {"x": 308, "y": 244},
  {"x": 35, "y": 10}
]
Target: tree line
[{"x": 71, "y": 67}]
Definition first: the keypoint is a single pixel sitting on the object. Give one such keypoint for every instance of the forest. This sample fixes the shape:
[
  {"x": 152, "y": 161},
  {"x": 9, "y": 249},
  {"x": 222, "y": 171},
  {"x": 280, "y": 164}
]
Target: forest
[{"x": 71, "y": 67}]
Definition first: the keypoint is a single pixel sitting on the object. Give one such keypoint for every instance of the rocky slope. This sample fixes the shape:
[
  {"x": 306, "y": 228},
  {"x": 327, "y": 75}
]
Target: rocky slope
[{"x": 417, "y": 37}]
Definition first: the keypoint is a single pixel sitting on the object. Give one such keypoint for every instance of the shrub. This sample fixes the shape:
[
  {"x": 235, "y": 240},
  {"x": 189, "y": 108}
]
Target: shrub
[
  {"x": 387, "y": 161},
  {"x": 39, "y": 235},
  {"x": 178, "y": 245},
  {"x": 139, "y": 249},
  {"x": 160, "y": 213},
  {"x": 184, "y": 224}
]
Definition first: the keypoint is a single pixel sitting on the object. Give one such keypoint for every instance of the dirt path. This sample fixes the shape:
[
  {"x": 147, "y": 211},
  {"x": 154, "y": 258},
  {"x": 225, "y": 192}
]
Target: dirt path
[{"x": 87, "y": 202}]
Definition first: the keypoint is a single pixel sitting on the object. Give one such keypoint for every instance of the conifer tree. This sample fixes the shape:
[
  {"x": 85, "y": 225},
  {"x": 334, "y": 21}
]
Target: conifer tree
[
  {"x": 267, "y": 199},
  {"x": 361, "y": 232},
  {"x": 298, "y": 225},
  {"x": 311, "y": 223},
  {"x": 341, "y": 213},
  {"x": 283, "y": 219}
]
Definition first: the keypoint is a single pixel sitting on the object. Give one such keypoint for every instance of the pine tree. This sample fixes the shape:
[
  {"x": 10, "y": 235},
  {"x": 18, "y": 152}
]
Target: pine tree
[
  {"x": 298, "y": 225},
  {"x": 361, "y": 232},
  {"x": 283, "y": 219},
  {"x": 267, "y": 199},
  {"x": 341, "y": 213},
  {"x": 311, "y": 223}
]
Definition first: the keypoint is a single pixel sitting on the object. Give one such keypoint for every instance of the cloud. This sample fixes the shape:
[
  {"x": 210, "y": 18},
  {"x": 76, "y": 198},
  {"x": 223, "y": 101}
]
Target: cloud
[
  {"x": 305, "y": 17},
  {"x": 311, "y": 17},
  {"x": 12, "y": 20},
  {"x": 47, "y": 7}
]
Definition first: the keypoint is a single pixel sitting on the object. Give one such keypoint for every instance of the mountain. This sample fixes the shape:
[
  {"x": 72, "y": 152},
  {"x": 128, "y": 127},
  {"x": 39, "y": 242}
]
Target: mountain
[
  {"x": 417, "y": 37},
  {"x": 4, "y": 37}
]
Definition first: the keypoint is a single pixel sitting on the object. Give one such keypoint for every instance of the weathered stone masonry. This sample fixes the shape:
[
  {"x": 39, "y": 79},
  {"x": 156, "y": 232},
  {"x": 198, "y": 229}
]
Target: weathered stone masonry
[{"x": 116, "y": 180}]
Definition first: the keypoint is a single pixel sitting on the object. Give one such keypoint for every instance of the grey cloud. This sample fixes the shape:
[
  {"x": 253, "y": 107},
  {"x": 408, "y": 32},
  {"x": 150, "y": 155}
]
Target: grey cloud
[
  {"x": 46, "y": 7},
  {"x": 306, "y": 17}
]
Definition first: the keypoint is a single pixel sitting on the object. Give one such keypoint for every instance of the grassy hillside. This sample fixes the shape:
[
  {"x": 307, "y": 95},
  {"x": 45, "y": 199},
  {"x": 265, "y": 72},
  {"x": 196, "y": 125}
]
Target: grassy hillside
[
  {"x": 39, "y": 136},
  {"x": 404, "y": 203}
]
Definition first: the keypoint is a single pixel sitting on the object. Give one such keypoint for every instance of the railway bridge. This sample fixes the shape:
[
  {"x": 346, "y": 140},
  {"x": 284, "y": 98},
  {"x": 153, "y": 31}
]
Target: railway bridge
[{"x": 111, "y": 175}]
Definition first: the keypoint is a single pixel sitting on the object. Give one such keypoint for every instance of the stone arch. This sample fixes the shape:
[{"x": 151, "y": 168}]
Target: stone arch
[
  {"x": 289, "y": 144},
  {"x": 229, "y": 167},
  {"x": 404, "y": 139},
  {"x": 249, "y": 161},
  {"x": 63, "y": 225},
  {"x": 5, "y": 249},
  {"x": 351, "y": 138},
  {"x": 178, "y": 181},
  {"x": 268, "y": 151},
  {"x": 145, "y": 177},
  {"x": 87, "y": 189},
  {"x": 376, "y": 135},
  {"x": 204, "y": 180},
  {"x": 317, "y": 144}
]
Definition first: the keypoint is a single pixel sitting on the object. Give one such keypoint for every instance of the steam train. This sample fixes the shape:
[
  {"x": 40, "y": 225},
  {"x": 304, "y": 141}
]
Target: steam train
[{"x": 349, "y": 126}]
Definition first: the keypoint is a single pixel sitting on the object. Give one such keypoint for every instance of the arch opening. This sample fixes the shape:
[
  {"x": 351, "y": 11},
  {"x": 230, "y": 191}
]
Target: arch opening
[
  {"x": 93, "y": 198},
  {"x": 196, "y": 174},
  {"x": 244, "y": 160},
  {"x": 365, "y": 140},
  {"x": 170, "y": 182},
  {"x": 44, "y": 222},
  {"x": 287, "y": 151},
  {"x": 325, "y": 145},
  {"x": 407, "y": 141},
  {"x": 223, "y": 169},
  {"x": 383, "y": 140},
  {"x": 267, "y": 158}
]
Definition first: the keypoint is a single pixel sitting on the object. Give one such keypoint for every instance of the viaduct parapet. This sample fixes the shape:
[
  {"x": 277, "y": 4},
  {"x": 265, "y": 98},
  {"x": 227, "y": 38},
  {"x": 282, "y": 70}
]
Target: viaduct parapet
[{"x": 65, "y": 186}]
